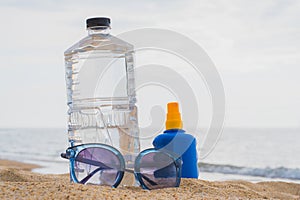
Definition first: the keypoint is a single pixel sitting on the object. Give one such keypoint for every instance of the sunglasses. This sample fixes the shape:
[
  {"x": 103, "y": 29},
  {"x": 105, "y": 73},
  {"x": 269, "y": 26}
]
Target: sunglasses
[{"x": 102, "y": 164}]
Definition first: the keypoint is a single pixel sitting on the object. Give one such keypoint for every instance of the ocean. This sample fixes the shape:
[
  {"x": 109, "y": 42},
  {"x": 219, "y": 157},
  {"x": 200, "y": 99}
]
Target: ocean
[{"x": 249, "y": 154}]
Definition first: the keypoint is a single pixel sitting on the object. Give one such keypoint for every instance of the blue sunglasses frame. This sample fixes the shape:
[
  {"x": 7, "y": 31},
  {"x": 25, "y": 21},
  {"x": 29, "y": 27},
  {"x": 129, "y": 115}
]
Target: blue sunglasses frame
[{"x": 72, "y": 153}]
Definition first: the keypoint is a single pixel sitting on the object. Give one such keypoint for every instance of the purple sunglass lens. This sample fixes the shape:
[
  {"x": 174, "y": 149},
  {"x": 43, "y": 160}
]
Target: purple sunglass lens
[
  {"x": 97, "y": 166},
  {"x": 158, "y": 170}
]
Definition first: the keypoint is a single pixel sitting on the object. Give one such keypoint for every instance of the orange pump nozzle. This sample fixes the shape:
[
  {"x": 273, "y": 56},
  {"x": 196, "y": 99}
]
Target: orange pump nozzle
[{"x": 173, "y": 116}]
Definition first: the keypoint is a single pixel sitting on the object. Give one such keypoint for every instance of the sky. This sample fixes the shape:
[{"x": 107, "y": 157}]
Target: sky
[{"x": 255, "y": 46}]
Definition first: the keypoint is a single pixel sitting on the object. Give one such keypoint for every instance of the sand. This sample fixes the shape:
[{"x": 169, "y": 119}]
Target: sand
[{"x": 18, "y": 182}]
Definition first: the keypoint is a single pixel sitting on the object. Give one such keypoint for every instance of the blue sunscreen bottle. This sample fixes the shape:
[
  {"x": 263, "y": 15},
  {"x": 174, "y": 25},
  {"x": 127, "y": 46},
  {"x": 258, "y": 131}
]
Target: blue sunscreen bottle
[{"x": 175, "y": 139}]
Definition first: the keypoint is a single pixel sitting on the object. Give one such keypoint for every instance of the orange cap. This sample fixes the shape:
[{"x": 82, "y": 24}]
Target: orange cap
[{"x": 173, "y": 116}]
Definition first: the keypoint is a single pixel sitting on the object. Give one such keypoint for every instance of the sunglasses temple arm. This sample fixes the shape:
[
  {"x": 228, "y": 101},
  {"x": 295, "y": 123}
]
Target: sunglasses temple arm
[
  {"x": 83, "y": 181},
  {"x": 87, "y": 161},
  {"x": 145, "y": 177},
  {"x": 148, "y": 180},
  {"x": 93, "y": 162}
]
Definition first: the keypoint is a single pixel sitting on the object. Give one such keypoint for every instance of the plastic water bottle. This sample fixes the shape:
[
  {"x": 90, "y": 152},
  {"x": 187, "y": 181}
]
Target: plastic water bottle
[
  {"x": 101, "y": 91},
  {"x": 175, "y": 139}
]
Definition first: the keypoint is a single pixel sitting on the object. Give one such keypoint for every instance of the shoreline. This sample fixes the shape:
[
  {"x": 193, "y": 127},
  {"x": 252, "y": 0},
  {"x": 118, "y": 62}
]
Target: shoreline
[
  {"x": 4, "y": 164},
  {"x": 17, "y": 181}
]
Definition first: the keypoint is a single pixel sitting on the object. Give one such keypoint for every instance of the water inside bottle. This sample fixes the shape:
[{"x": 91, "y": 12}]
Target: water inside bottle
[{"x": 101, "y": 94}]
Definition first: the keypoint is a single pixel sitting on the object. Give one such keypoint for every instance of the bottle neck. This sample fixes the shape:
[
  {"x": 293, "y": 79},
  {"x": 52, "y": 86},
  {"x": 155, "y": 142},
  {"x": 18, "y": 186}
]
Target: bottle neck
[
  {"x": 174, "y": 130},
  {"x": 104, "y": 30}
]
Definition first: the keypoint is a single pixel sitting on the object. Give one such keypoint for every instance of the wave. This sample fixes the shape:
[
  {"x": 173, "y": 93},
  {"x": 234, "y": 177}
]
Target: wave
[{"x": 279, "y": 172}]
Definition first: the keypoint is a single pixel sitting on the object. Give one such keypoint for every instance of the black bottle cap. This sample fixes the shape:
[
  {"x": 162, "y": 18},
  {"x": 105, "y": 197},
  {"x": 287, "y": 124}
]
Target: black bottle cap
[{"x": 97, "y": 21}]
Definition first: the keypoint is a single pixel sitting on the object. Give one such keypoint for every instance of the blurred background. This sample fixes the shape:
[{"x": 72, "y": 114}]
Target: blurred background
[{"x": 254, "y": 45}]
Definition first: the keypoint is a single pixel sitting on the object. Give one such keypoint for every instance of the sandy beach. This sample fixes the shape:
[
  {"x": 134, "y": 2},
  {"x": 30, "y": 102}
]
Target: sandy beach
[{"x": 18, "y": 182}]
